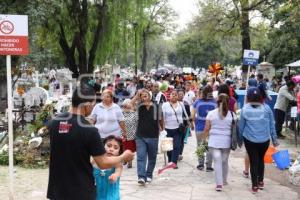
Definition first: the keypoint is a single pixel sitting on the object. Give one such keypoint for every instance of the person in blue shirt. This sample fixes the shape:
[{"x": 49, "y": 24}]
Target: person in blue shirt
[
  {"x": 199, "y": 112},
  {"x": 262, "y": 86},
  {"x": 252, "y": 82},
  {"x": 256, "y": 127}
]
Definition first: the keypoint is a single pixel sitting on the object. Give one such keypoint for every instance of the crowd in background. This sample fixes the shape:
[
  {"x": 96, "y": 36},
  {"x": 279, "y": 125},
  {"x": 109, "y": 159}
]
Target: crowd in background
[
  {"x": 130, "y": 115},
  {"x": 142, "y": 107}
]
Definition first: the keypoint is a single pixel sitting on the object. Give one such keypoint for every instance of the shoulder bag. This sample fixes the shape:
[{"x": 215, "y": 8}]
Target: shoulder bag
[{"x": 181, "y": 125}]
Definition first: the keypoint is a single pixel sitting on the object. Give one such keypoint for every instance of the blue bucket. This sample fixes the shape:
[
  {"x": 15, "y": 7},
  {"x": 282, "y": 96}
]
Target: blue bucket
[{"x": 282, "y": 159}]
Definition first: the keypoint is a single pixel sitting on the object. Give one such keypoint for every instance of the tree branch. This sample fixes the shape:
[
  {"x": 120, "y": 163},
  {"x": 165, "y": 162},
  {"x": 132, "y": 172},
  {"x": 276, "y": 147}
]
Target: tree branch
[{"x": 255, "y": 5}]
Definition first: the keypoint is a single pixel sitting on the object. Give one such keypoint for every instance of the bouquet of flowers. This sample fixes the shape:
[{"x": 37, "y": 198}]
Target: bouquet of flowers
[{"x": 201, "y": 149}]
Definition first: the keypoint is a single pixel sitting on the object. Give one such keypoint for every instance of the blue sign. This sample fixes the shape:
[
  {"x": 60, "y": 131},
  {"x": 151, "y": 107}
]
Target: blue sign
[
  {"x": 250, "y": 57},
  {"x": 250, "y": 61}
]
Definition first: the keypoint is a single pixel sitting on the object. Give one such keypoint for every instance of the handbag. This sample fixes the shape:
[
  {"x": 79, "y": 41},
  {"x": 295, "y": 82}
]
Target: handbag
[
  {"x": 181, "y": 127},
  {"x": 185, "y": 116},
  {"x": 234, "y": 133}
]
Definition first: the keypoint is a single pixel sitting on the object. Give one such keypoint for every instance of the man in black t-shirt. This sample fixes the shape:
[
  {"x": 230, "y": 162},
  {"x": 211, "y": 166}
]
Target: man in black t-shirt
[
  {"x": 148, "y": 127},
  {"x": 73, "y": 140}
]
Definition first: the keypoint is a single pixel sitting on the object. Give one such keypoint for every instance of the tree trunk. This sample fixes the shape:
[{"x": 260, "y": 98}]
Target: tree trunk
[
  {"x": 157, "y": 61},
  {"x": 98, "y": 35},
  {"x": 3, "y": 81},
  {"x": 145, "y": 53},
  {"x": 3, "y": 94},
  {"x": 86, "y": 58},
  {"x": 245, "y": 30},
  {"x": 68, "y": 51}
]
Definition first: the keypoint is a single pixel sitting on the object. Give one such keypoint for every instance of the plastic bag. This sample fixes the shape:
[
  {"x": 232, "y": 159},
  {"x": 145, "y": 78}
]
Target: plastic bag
[
  {"x": 166, "y": 144},
  {"x": 162, "y": 135},
  {"x": 294, "y": 171}
]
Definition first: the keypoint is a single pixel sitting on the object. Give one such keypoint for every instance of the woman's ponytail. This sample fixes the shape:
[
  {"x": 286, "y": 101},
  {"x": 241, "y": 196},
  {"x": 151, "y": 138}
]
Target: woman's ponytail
[{"x": 223, "y": 104}]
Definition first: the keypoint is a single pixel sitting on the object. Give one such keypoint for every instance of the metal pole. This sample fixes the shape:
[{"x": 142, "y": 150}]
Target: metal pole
[{"x": 10, "y": 127}]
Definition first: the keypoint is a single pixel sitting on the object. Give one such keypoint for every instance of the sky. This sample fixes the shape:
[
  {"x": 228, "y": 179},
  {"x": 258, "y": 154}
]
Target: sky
[{"x": 185, "y": 9}]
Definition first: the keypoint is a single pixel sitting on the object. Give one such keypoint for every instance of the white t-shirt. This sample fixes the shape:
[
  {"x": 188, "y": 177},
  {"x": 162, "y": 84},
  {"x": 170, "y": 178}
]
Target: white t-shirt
[
  {"x": 189, "y": 97},
  {"x": 220, "y": 131},
  {"x": 169, "y": 115},
  {"x": 107, "y": 119}
]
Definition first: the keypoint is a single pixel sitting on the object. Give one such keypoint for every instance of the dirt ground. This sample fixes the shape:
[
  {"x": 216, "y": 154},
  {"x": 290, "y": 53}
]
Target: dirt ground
[
  {"x": 281, "y": 177},
  {"x": 34, "y": 188}
]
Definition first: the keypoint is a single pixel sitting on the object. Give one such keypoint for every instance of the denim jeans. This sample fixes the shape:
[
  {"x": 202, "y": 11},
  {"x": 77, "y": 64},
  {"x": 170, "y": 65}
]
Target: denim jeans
[
  {"x": 177, "y": 136},
  {"x": 146, "y": 149}
]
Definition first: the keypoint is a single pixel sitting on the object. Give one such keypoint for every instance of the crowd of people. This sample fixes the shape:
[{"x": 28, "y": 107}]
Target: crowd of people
[{"x": 111, "y": 123}]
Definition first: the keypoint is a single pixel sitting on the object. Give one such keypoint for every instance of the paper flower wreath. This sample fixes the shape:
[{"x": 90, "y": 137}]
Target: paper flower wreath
[{"x": 215, "y": 69}]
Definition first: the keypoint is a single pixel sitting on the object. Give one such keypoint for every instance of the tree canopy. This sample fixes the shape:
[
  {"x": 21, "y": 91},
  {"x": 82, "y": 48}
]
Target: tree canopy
[{"x": 81, "y": 34}]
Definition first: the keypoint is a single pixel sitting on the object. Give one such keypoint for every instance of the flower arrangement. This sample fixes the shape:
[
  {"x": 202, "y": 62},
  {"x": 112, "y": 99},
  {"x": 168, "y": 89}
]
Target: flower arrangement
[
  {"x": 42, "y": 117},
  {"x": 20, "y": 90},
  {"x": 215, "y": 69},
  {"x": 202, "y": 149}
]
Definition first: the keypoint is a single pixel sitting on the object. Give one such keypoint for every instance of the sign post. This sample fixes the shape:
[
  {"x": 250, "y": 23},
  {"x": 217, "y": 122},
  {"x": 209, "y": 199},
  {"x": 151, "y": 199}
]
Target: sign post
[
  {"x": 250, "y": 58},
  {"x": 13, "y": 41}
]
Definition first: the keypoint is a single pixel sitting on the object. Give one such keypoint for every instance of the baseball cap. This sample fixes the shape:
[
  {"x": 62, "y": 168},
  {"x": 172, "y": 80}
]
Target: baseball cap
[{"x": 253, "y": 94}]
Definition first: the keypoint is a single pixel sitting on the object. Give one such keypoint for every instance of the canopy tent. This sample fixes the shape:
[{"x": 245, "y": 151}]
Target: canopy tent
[{"x": 294, "y": 64}]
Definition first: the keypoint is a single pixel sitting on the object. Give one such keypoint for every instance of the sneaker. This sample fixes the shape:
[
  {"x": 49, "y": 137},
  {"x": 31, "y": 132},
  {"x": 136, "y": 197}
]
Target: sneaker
[
  {"x": 254, "y": 190},
  {"x": 219, "y": 188},
  {"x": 225, "y": 183},
  {"x": 149, "y": 180},
  {"x": 180, "y": 157},
  {"x": 141, "y": 181},
  {"x": 200, "y": 167},
  {"x": 209, "y": 169},
  {"x": 261, "y": 185},
  {"x": 245, "y": 174}
]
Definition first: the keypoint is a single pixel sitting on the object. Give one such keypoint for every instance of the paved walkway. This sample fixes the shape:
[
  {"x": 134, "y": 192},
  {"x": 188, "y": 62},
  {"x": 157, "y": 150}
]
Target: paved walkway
[
  {"x": 188, "y": 183},
  {"x": 185, "y": 183}
]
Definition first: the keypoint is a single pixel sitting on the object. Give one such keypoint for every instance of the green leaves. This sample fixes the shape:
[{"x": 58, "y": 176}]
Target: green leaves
[{"x": 284, "y": 36}]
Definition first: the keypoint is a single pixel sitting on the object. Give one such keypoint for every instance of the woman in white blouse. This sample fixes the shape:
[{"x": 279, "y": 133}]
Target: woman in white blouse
[
  {"x": 218, "y": 127},
  {"x": 173, "y": 112},
  {"x": 108, "y": 117}
]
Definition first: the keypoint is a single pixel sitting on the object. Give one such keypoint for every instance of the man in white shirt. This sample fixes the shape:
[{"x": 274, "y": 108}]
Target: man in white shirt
[
  {"x": 189, "y": 95},
  {"x": 285, "y": 95}
]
